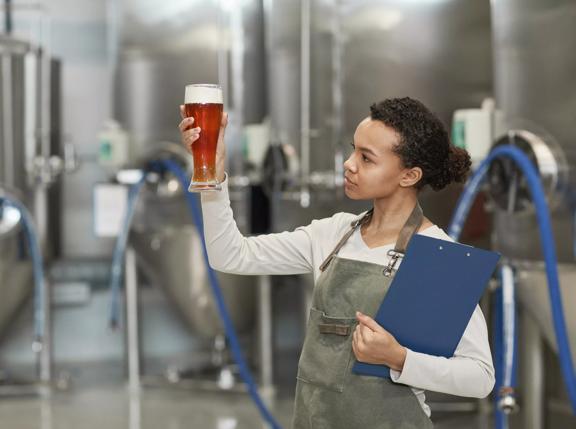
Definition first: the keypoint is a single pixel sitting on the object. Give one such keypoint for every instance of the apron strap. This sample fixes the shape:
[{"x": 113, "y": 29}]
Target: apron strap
[
  {"x": 360, "y": 221},
  {"x": 408, "y": 230}
]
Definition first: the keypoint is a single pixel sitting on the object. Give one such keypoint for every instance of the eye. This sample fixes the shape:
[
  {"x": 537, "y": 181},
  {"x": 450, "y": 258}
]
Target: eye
[{"x": 365, "y": 159}]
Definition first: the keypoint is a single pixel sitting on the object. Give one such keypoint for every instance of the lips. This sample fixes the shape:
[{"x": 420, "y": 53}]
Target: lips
[{"x": 348, "y": 181}]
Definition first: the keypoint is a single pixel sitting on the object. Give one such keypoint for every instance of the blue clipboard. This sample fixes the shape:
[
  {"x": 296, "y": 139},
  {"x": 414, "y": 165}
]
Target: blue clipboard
[{"x": 432, "y": 297}]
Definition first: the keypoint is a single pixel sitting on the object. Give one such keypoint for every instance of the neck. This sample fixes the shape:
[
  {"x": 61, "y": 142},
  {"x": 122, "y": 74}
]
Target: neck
[{"x": 392, "y": 212}]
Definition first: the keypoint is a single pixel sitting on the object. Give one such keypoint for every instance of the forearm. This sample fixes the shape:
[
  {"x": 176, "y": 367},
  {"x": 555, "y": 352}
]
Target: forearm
[
  {"x": 456, "y": 376},
  {"x": 469, "y": 372},
  {"x": 229, "y": 251}
]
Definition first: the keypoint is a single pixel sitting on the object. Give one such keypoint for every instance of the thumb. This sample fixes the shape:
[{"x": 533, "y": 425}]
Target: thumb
[
  {"x": 223, "y": 124},
  {"x": 368, "y": 322}
]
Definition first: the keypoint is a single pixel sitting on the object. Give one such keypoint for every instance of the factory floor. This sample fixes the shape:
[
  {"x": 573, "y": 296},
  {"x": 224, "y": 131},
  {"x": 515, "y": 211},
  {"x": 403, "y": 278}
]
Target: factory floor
[
  {"x": 96, "y": 397},
  {"x": 113, "y": 408}
]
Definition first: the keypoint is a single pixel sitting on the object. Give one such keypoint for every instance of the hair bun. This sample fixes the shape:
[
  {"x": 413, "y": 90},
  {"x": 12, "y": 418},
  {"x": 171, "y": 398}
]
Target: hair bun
[{"x": 456, "y": 169}]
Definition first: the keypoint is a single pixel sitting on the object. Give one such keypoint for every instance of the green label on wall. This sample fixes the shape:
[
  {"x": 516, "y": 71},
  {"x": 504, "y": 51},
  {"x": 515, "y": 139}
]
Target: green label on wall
[{"x": 459, "y": 134}]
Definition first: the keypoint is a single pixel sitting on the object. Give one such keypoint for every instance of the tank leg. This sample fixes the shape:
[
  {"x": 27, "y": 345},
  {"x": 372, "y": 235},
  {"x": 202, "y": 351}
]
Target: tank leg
[
  {"x": 132, "y": 322},
  {"x": 265, "y": 337},
  {"x": 532, "y": 374}
]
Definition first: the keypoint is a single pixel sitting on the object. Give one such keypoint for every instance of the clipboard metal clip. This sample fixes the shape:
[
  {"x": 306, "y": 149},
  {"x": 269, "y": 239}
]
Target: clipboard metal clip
[{"x": 395, "y": 255}]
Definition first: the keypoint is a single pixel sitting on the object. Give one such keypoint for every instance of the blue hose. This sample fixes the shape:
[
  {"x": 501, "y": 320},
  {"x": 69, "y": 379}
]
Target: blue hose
[
  {"x": 195, "y": 210},
  {"x": 500, "y": 419},
  {"x": 547, "y": 243},
  {"x": 37, "y": 267},
  {"x": 509, "y": 325},
  {"x": 505, "y": 343}
]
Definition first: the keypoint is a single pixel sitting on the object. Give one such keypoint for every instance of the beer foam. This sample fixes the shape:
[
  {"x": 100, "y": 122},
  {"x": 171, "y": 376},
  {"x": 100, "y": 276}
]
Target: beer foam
[{"x": 203, "y": 94}]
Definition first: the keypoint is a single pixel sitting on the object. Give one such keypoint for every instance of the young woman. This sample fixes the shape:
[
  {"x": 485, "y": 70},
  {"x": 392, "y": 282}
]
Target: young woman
[{"x": 400, "y": 148}]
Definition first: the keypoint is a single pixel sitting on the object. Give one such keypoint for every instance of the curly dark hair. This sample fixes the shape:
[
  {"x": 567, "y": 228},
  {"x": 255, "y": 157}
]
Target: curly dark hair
[{"x": 424, "y": 142}]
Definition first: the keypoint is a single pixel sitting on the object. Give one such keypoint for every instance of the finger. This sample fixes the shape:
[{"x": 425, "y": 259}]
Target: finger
[
  {"x": 189, "y": 143},
  {"x": 182, "y": 111},
  {"x": 190, "y": 139},
  {"x": 186, "y": 123},
  {"x": 368, "y": 322},
  {"x": 365, "y": 333},
  {"x": 191, "y": 132}
]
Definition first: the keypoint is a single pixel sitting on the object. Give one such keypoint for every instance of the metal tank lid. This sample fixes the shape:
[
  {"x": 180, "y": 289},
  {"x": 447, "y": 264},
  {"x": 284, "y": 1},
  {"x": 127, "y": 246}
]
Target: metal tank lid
[{"x": 14, "y": 46}]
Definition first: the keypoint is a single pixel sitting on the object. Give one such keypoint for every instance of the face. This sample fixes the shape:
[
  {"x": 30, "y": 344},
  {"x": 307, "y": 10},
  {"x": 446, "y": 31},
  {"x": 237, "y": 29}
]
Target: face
[{"x": 373, "y": 170}]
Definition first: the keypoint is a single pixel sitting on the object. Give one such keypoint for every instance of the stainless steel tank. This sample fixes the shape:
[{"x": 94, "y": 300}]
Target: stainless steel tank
[
  {"x": 29, "y": 162},
  {"x": 536, "y": 88},
  {"x": 169, "y": 251},
  {"x": 14, "y": 147},
  {"x": 162, "y": 49},
  {"x": 15, "y": 268}
]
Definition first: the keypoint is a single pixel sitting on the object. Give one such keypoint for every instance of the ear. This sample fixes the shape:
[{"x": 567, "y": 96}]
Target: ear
[{"x": 411, "y": 176}]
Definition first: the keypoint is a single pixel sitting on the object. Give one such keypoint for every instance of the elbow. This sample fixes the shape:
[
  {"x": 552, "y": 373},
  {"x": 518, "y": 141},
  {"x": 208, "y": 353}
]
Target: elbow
[
  {"x": 222, "y": 261},
  {"x": 216, "y": 263},
  {"x": 486, "y": 387}
]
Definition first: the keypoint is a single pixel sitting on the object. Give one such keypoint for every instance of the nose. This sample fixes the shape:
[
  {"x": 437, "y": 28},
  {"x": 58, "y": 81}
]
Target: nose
[{"x": 349, "y": 164}]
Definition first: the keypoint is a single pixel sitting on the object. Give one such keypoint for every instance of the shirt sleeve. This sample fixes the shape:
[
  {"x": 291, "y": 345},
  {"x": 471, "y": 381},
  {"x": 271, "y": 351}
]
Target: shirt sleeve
[
  {"x": 469, "y": 372},
  {"x": 229, "y": 251}
]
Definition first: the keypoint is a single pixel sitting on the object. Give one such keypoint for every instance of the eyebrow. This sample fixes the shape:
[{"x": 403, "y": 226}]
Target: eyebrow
[{"x": 366, "y": 150}]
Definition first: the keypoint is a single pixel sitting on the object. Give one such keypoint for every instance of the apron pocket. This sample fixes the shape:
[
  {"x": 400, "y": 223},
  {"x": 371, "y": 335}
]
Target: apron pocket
[{"x": 327, "y": 350}]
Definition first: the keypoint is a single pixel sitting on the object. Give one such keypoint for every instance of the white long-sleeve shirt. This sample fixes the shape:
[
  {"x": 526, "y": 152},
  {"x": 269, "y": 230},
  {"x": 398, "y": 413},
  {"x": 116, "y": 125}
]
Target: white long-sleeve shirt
[{"x": 468, "y": 373}]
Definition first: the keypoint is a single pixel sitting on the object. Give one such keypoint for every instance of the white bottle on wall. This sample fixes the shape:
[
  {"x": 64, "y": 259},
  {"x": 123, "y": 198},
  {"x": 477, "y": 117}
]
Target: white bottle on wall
[{"x": 113, "y": 145}]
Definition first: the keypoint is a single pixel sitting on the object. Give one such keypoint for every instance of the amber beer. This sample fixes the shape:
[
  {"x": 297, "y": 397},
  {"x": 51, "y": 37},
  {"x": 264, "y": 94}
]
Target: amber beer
[{"x": 204, "y": 103}]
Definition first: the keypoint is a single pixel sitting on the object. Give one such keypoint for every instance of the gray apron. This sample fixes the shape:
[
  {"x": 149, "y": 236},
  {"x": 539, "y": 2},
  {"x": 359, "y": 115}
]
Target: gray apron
[{"x": 328, "y": 394}]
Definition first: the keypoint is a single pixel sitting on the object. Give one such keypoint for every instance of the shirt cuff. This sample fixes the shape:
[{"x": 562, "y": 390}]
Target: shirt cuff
[
  {"x": 222, "y": 195},
  {"x": 403, "y": 377}
]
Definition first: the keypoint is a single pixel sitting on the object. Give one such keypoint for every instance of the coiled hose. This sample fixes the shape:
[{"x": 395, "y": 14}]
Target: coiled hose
[
  {"x": 195, "y": 211},
  {"x": 546, "y": 241},
  {"x": 37, "y": 267}
]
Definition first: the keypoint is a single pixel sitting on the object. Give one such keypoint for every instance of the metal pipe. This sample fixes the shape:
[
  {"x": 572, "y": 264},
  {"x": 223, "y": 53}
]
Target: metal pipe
[
  {"x": 532, "y": 374},
  {"x": 8, "y": 16},
  {"x": 265, "y": 336},
  {"x": 45, "y": 99},
  {"x": 305, "y": 103},
  {"x": 337, "y": 99},
  {"x": 113, "y": 17},
  {"x": 8, "y": 120},
  {"x": 46, "y": 352},
  {"x": 31, "y": 108},
  {"x": 223, "y": 78},
  {"x": 237, "y": 54},
  {"x": 132, "y": 322}
]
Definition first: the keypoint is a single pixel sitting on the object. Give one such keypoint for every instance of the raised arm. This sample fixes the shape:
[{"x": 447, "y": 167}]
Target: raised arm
[{"x": 228, "y": 250}]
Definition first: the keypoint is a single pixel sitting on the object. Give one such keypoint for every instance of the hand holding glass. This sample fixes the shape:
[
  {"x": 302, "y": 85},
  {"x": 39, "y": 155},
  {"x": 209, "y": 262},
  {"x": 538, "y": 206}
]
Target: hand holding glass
[{"x": 204, "y": 103}]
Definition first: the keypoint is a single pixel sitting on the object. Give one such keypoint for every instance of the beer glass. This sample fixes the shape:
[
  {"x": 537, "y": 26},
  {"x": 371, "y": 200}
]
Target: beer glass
[{"x": 204, "y": 103}]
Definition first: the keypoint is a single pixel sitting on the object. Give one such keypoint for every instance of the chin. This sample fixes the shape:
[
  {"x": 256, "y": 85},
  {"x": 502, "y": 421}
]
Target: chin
[{"x": 352, "y": 195}]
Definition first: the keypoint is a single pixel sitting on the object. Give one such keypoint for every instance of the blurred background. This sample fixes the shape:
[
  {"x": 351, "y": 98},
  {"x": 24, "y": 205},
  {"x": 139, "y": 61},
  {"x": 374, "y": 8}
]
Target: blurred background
[{"x": 90, "y": 94}]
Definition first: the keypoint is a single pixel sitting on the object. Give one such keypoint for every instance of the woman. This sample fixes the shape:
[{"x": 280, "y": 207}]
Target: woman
[{"x": 400, "y": 148}]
